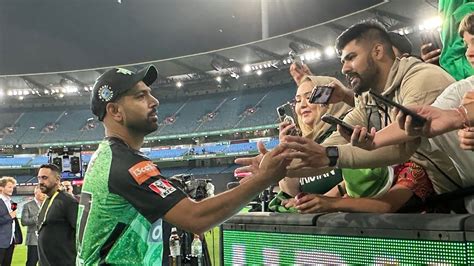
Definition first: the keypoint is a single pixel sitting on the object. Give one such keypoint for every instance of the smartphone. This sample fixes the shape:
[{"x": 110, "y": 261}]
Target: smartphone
[
  {"x": 433, "y": 37},
  {"x": 286, "y": 113},
  {"x": 418, "y": 120},
  {"x": 336, "y": 121},
  {"x": 321, "y": 94}
]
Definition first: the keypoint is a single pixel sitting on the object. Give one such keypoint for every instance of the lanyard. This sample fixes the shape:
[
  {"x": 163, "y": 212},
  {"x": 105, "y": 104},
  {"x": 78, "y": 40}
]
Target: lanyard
[{"x": 47, "y": 207}]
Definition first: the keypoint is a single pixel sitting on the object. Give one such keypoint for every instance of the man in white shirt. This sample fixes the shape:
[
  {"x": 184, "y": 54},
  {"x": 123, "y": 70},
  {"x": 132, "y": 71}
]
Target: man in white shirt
[{"x": 7, "y": 221}]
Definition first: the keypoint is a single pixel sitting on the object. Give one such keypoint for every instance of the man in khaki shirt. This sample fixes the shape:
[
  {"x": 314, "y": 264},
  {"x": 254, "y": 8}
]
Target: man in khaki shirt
[{"x": 369, "y": 63}]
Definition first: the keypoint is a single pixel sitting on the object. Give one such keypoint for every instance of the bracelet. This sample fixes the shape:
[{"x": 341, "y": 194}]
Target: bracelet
[{"x": 462, "y": 110}]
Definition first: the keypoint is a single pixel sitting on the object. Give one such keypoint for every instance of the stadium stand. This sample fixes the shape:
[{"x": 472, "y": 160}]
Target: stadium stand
[
  {"x": 166, "y": 153},
  {"x": 33, "y": 161},
  {"x": 187, "y": 118},
  {"x": 229, "y": 111},
  {"x": 39, "y": 160},
  {"x": 265, "y": 113},
  {"x": 14, "y": 162},
  {"x": 30, "y": 125},
  {"x": 232, "y": 110},
  {"x": 70, "y": 125}
]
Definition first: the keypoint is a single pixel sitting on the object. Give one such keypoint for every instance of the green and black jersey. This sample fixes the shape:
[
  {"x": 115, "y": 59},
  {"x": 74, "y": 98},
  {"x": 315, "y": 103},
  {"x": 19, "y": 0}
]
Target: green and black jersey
[
  {"x": 123, "y": 200},
  {"x": 320, "y": 184}
]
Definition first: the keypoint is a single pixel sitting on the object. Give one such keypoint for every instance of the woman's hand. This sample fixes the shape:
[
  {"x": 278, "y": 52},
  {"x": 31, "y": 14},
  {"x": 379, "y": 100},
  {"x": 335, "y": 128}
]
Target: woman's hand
[{"x": 285, "y": 128}]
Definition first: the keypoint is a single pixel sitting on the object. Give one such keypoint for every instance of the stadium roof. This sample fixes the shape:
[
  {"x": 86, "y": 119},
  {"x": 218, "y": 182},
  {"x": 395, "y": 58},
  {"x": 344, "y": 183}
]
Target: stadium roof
[{"x": 184, "y": 39}]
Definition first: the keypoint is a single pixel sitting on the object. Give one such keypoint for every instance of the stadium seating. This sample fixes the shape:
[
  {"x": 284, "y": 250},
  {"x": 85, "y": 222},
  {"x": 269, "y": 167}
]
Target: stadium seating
[
  {"x": 38, "y": 160},
  {"x": 10, "y": 161},
  {"x": 14, "y": 162},
  {"x": 266, "y": 109},
  {"x": 190, "y": 115}
]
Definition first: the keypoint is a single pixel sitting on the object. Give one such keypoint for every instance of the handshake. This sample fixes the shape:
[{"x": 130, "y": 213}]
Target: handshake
[{"x": 293, "y": 153}]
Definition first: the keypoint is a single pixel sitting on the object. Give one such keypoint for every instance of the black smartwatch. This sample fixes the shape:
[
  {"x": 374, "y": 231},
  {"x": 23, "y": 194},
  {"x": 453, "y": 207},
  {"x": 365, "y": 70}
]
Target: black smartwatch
[{"x": 332, "y": 152}]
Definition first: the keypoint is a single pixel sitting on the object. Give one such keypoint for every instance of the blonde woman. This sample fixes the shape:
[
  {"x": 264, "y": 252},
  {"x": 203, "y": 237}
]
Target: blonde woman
[
  {"x": 386, "y": 189},
  {"x": 309, "y": 120}
]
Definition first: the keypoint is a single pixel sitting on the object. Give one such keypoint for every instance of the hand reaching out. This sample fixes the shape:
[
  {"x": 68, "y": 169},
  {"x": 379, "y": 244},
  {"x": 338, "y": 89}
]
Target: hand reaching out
[
  {"x": 360, "y": 137},
  {"x": 299, "y": 72},
  {"x": 439, "y": 121},
  {"x": 313, "y": 203}
]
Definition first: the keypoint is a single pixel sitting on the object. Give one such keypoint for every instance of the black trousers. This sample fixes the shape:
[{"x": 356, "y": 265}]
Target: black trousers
[
  {"x": 6, "y": 255},
  {"x": 32, "y": 255}
]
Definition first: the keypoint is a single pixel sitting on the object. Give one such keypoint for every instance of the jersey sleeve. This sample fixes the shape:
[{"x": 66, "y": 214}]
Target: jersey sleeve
[{"x": 139, "y": 181}]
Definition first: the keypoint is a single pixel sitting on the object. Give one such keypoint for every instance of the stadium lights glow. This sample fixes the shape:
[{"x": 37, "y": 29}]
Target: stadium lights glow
[
  {"x": 219, "y": 79},
  {"x": 317, "y": 54},
  {"x": 69, "y": 89},
  {"x": 259, "y": 72},
  {"x": 312, "y": 55},
  {"x": 179, "y": 84},
  {"x": 329, "y": 51},
  {"x": 247, "y": 68},
  {"x": 1, "y": 93},
  {"x": 431, "y": 23},
  {"x": 21, "y": 98}
]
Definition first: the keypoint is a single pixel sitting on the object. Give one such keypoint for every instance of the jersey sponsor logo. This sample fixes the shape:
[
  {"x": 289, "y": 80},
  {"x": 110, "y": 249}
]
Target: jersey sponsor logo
[
  {"x": 307, "y": 180},
  {"x": 156, "y": 232},
  {"x": 162, "y": 187},
  {"x": 142, "y": 171}
]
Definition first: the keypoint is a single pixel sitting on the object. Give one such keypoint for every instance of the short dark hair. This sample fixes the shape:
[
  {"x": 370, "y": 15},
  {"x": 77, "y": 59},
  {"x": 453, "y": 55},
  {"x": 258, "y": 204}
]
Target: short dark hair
[
  {"x": 368, "y": 30},
  {"x": 466, "y": 25},
  {"x": 52, "y": 167}
]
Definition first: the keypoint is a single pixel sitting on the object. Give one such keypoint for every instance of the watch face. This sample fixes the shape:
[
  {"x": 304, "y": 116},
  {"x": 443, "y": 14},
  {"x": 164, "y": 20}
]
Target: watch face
[{"x": 332, "y": 152}]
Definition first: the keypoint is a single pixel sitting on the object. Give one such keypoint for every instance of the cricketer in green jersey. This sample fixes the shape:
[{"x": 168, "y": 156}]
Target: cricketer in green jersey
[{"x": 124, "y": 197}]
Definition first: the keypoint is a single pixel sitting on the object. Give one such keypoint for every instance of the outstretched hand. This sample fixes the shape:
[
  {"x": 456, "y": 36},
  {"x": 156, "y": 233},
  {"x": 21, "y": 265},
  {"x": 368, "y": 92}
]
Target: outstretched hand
[
  {"x": 250, "y": 165},
  {"x": 297, "y": 73},
  {"x": 360, "y": 137},
  {"x": 438, "y": 121},
  {"x": 466, "y": 138},
  {"x": 310, "y": 153},
  {"x": 313, "y": 203},
  {"x": 273, "y": 164}
]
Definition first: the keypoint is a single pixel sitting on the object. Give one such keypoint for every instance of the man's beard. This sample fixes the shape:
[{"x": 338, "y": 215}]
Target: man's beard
[
  {"x": 143, "y": 127},
  {"x": 46, "y": 190},
  {"x": 366, "y": 79}
]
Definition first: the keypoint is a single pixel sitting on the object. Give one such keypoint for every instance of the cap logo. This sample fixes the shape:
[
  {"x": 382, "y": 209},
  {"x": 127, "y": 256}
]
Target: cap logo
[
  {"x": 124, "y": 71},
  {"x": 105, "y": 93}
]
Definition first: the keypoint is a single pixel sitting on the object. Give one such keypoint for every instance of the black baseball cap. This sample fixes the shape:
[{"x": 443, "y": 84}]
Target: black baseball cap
[
  {"x": 401, "y": 42},
  {"x": 111, "y": 85}
]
